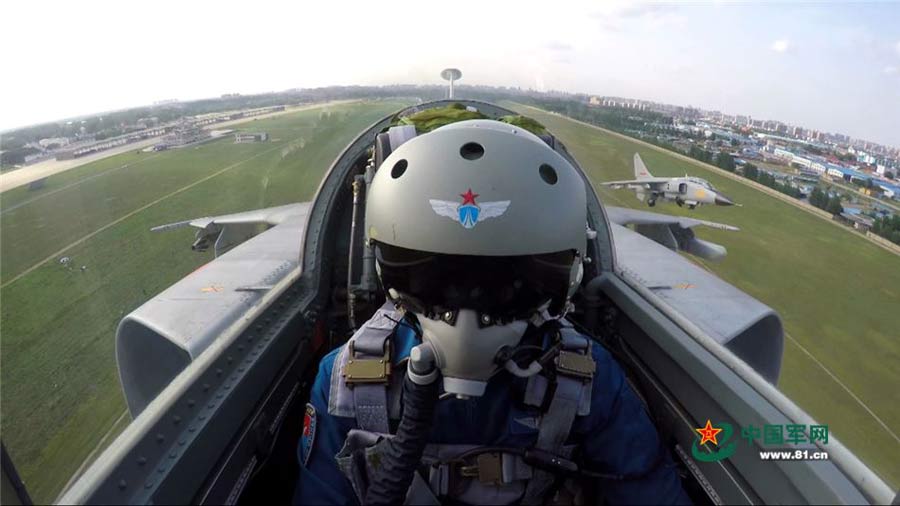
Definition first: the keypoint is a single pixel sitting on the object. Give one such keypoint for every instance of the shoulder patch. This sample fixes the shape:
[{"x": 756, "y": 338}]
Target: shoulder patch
[{"x": 309, "y": 434}]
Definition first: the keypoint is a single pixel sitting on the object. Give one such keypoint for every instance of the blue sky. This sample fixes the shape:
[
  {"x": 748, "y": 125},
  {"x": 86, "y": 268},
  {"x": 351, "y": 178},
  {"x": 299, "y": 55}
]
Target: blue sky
[{"x": 833, "y": 67}]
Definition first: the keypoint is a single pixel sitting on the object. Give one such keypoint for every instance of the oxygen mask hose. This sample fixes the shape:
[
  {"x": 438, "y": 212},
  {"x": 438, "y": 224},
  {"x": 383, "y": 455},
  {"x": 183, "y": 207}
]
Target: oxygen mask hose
[{"x": 403, "y": 453}]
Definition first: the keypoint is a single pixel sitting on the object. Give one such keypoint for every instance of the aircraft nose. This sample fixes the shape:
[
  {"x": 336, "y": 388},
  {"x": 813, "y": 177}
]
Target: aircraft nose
[{"x": 722, "y": 200}]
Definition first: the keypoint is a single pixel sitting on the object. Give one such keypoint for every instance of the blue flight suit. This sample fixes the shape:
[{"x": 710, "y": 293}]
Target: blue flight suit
[{"x": 617, "y": 436}]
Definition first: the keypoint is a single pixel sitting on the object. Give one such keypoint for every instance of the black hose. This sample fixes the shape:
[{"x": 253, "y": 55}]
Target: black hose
[
  {"x": 593, "y": 298},
  {"x": 403, "y": 453}
]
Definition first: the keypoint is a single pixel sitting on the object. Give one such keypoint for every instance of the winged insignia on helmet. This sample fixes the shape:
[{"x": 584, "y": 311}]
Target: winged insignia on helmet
[{"x": 469, "y": 213}]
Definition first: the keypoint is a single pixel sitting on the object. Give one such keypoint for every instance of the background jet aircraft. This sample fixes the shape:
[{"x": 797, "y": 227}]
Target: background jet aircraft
[
  {"x": 216, "y": 369},
  {"x": 687, "y": 190}
]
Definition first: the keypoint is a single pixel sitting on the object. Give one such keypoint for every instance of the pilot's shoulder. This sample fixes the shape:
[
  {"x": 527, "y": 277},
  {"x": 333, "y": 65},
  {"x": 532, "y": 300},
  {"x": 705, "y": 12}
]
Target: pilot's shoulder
[
  {"x": 608, "y": 377},
  {"x": 601, "y": 355},
  {"x": 326, "y": 366}
]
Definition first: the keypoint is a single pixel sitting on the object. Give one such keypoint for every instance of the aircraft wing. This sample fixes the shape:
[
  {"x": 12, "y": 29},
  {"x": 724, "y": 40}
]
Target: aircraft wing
[
  {"x": 174, "y": 327},
  {"x": 674, "y": 232},
  {"x": 271, "y": 216},
  {"x": 624, "y": 216},
  {"x": 646, "y": 183},
  {"x": 229, "y": 230}
]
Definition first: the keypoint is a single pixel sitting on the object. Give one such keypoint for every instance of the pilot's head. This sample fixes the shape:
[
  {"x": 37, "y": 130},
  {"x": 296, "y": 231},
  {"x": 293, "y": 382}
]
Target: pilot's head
[{"x": 477, "y": 226}]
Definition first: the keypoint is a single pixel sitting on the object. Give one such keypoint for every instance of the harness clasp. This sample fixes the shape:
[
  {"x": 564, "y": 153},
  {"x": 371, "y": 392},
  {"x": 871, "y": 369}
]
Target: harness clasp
[
  {"x": 488, "y": 469},
  {"x": 575, "y": 364},
  {"x": 367, "y": 370}
]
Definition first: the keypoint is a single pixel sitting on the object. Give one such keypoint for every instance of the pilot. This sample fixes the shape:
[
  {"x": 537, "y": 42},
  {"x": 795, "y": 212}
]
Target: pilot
[{"x": 470, "y": 385}]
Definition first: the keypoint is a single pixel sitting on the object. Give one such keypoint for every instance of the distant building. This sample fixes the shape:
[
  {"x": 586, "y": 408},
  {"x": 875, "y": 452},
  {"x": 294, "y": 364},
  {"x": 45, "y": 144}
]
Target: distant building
[
  {"x": 682, "y": 145},
  {"x": 242, "y": 137},
  {"x": 88, "y": 147},
  {"x": 891, "y": 191},
  {"x": 872, "y": 192},
  {"x": 857, "y": 221},
  {"x": 183, "y": 134},
  {"x": 58, "y": 141},
  {"x": 809, "y": 173}
]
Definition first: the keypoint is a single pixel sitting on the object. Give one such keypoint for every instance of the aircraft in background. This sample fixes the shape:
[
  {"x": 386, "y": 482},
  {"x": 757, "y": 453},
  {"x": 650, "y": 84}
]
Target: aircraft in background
[
  {"x": 688, "y": 190},
  {"x": 216, "y": 368}
]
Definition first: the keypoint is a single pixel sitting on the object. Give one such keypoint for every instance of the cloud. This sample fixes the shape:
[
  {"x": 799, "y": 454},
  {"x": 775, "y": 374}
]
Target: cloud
[
  {"x": 643, "y": 9},
  {"x": 890, "y": 70},
  {"x": 897, "y": 47},
  {"x": 857, "y": 37},
  {"x": 613, "y": 15},
  {"x": 781, "y": 45},
  {"x": 558, "y": 46}
]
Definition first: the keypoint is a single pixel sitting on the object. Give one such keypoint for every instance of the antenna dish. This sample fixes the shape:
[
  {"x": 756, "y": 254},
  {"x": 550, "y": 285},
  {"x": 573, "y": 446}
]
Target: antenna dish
[{"x": 451, "y": 75}]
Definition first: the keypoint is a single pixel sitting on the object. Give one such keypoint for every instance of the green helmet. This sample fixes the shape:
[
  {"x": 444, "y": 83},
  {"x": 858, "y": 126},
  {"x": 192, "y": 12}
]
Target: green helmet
[{"x": 480, "y": 215}]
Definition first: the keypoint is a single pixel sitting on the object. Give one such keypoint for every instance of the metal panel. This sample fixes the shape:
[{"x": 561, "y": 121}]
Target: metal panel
[
  {"x": 160, "y": 338},
  {"x": 727, "y": 314},
  {"x": 167, "y": 453},
  {"x": 184, "y": 445},
  {"x": 711, "y": 382}
]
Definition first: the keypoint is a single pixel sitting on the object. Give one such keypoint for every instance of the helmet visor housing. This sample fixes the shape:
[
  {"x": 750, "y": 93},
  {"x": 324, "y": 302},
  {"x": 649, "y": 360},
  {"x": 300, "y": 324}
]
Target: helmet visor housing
[{"x": 503, "y": 288}]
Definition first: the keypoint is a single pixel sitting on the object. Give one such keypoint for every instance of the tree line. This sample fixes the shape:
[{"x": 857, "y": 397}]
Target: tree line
[
  {"x": 725, "y": 161},
  {"x": 611, "y": 118},
  {"x": 888, "y": 227},
  {"x": 767, "y": 179},
  {"x": 820, "y": 199}
]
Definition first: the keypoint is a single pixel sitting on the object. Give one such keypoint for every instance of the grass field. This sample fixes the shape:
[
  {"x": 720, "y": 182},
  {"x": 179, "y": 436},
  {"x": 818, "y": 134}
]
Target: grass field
[
  {"x": 838, "y": 294},
  {"x": 61, "y": 392}
]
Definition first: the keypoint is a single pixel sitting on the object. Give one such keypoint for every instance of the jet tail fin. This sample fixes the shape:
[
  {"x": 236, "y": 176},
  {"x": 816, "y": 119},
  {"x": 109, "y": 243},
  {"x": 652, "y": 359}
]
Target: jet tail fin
[{"x": 640, "y": 170}]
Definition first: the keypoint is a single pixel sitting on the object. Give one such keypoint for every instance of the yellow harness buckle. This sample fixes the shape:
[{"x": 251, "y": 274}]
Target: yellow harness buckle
[
  {"x": 367, "y": 370},
  {"x": 575, "y": 364},
  {"x": 488, "y": 469}
]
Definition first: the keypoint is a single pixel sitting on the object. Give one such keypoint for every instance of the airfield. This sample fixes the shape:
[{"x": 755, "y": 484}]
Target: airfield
[
  {"x": 24, "y": 175},
  {"x": 836, "y": 292},
  {"x": 61, "y": 393}
]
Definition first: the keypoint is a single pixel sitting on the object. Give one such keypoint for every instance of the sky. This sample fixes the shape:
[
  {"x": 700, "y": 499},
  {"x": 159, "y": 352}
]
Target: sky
[{"x": 828, "y": 66}]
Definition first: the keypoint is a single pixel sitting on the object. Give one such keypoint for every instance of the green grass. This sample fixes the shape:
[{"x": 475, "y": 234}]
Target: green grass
[
  {"x": 61, "y": 392},
  {"x": 837, "y": 293}
]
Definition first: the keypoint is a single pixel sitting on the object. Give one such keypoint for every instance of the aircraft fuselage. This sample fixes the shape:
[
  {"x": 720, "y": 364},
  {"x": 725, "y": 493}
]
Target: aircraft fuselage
[{"x": 683, "y": 191}]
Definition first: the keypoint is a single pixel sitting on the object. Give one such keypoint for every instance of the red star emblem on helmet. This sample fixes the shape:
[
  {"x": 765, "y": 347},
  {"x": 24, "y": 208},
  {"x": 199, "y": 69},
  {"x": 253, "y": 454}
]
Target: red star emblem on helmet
[{"x": 469, "y": 197}]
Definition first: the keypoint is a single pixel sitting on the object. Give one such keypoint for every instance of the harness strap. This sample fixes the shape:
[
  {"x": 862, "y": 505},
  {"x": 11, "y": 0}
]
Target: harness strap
[
  {"x": 490, "y": 469},
  {"x": 572, "y": 393},
  {"x": 371, "y": 408},
  {"x": 361, "y": 376},
  {"x": 496, "y": 476},
  {"x": 573, "y": 343}
]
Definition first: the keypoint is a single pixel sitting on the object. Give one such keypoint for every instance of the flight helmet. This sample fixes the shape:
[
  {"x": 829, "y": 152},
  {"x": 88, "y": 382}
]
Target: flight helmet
[{"x": 477, "y": 226}]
